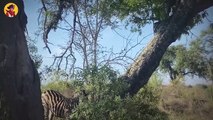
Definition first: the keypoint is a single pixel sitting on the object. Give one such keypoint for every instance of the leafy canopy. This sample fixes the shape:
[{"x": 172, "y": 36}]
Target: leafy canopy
[
  {"x": 197, "y": 59},
  {"x": 142, "y": 12}
]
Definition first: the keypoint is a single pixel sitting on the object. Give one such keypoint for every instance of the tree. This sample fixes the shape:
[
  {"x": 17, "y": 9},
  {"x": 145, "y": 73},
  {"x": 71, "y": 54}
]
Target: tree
[
  {"x": 33, "y": 51},
  {"x": 19, "y": 80},
  {"x": 171, "y": 20},
  {"x": 169, "y": 61},
  {"x": 200, "y": 57},
  {"x": 196, "y": 59},
  {"x": 85, "y": 27}
]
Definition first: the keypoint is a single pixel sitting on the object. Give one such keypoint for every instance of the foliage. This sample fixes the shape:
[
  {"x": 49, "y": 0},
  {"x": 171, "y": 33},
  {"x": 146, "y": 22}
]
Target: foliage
[
  {"x": 33, "y": 50},
  {"x": 142, "y": 12},
  {"x": 195, "y": 59},
  {"x": 104, "y": 101},
  {"x": 139, "y": 11},
  {"x": 57, "y": 85}
]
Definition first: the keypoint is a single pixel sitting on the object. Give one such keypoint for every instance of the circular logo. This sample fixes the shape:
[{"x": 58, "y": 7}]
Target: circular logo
[{"x": 10, "y": 10}]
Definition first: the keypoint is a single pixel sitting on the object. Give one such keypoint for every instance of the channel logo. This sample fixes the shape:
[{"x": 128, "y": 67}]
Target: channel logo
[{"x": 10, "y": 10}]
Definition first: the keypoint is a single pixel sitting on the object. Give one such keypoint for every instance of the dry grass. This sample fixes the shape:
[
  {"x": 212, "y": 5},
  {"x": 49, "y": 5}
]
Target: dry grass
[{"x": 187, "y": 102}]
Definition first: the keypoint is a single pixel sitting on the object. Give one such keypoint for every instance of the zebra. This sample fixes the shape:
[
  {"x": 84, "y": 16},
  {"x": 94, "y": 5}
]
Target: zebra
[{"x": 56, "y": 105}]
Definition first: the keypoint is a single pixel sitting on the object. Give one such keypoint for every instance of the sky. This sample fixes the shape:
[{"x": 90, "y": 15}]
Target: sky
[{"x": 110, "y": 38}]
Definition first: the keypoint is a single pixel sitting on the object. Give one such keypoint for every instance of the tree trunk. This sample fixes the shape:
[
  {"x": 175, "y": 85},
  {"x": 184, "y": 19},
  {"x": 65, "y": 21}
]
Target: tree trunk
[
  {"x": 20, "y": 97},
  {"x": 169, "y": 30}
]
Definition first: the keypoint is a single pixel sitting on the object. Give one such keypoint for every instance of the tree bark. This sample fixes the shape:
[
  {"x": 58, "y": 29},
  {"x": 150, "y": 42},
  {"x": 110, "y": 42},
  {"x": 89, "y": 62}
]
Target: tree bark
[
  {"x": 169, "y": 30},
  {"x": 19, "y": 80}
]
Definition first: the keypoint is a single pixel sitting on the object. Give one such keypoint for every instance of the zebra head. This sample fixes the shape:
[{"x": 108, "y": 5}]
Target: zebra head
[
  {"x": 67, "y": 112},
  {"x": 74, "y": 101},
  {"x": 69, "y": 107}
]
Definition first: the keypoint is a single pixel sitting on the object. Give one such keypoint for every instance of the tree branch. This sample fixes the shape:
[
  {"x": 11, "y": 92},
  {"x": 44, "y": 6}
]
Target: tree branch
[{"x": 140, "y": 71}]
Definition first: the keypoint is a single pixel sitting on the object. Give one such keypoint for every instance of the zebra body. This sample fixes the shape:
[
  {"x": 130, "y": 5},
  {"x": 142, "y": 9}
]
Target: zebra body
[{"x": 56, "y": 105}]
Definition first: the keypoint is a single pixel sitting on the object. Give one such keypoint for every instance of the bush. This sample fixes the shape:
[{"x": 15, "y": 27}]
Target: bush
[
  {"x": 104, "y": 102},
  {"x": 57, "y": 85}
]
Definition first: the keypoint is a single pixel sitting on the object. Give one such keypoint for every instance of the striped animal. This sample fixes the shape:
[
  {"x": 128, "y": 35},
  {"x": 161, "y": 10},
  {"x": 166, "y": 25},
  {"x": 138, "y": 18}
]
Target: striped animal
[{"x": 56, "y": 105}]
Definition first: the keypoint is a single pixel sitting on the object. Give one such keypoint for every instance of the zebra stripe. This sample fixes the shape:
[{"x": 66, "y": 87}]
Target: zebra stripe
[{"x": 55, "y": 104}]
